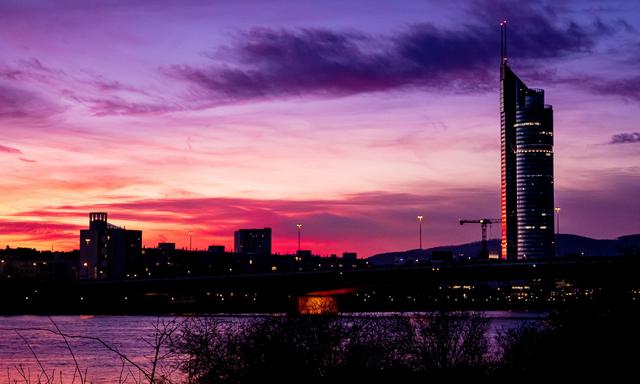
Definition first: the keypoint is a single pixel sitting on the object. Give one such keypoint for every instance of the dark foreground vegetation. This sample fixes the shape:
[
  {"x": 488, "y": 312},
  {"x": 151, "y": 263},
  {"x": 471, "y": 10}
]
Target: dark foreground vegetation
[{"x": 577, "y": 343}]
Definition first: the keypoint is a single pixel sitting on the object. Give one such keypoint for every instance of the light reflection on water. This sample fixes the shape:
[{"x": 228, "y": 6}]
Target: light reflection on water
[{"x": 129, "y": 335}]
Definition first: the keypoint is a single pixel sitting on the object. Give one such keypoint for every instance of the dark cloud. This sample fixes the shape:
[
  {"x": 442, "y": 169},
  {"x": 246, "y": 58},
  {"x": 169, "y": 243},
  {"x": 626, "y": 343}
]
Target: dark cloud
[
  {"x": 622, "y": 138},
  {"x": 537, "y": 32},
  {"x": 542, "y": 31},
  {"x": 18, "y": 103},
  {"x": 270, "y": 63},
  {"x": 265, "y": 63},
  {"x": 5, "y": 149},
  {"x": 628, "y": 88}
]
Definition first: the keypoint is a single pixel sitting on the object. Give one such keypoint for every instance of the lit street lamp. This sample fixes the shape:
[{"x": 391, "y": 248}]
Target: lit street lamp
[
  {"x": 420, "y": 218},
  {"x": 299, "y": 226},
  {"x": 557, "y": 230}
]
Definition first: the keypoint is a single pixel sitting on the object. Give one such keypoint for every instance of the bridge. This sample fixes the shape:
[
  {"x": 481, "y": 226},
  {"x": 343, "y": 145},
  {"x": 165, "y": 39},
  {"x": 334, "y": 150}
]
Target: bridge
[{"x": 464, "y": 285}]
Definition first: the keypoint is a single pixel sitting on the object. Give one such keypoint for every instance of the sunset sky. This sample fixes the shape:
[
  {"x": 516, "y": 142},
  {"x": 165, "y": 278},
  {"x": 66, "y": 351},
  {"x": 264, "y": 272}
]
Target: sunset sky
[{"x": 348, "y": 117}]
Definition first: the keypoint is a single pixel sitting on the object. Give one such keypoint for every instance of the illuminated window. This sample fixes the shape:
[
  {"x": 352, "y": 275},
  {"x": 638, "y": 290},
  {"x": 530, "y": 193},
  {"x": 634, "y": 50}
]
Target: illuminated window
[{"x": 527, "y": 124}]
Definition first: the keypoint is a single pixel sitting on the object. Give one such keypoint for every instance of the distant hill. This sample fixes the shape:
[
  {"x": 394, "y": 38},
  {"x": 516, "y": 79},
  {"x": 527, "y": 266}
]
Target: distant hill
[{"x": 570, "y": 245}]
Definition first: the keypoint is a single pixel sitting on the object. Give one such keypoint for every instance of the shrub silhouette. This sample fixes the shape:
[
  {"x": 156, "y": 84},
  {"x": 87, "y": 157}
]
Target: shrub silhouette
[
  {"x": 576, "y": 343},
  {"x": 329, "y": 348},
  {"x": 448, "y": 343}
]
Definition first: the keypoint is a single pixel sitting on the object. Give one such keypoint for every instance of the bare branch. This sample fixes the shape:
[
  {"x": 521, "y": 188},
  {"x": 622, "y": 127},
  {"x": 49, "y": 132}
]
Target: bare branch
[
  {"x": 43, "y": 371},
  {"x": 73, "y": 356}
]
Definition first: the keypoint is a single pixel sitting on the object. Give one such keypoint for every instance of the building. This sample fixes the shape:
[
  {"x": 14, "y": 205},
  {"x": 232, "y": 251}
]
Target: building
[
  {"x": 526, "y": 130},
  {"x": 108, "y": 251},
  {"x": 252, "y": 248},
  {"x": 349, "y": 257},
  {"x": 217, "y": 249},
  {"x": 169, "y": 247},
  {"x": 30, "y": 264},
  {"x": 252, "y": 241}
]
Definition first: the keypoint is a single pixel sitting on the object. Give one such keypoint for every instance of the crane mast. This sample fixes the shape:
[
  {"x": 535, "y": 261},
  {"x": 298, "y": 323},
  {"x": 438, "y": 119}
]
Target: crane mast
[{"x": 484, "y": 223}]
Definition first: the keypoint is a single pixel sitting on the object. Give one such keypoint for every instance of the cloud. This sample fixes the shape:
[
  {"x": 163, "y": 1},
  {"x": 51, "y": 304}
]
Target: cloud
[
  {"x": 30, "y": 69},
  {"x": 21, "y": 90},
  {"x": 277, "y": 63},
  {"x": 270, "y": 63},
  {"x": 628, "y": 88},
  {"x": 113, "y": 98},
  {"x": 105, "y": 85},
  {"x": 38, "y": 231},
  {"x": 265, "y": 63},
  {"x": 21, "y": 103},
  {"x": 6, "y": 149},
  {"x": 545, "y": 31},
  {"x": 27, "y": 160},
  {"x": 621, "y": 138},
  {"x": 100, "y": 95},
  {"x": 119, "y": 106}
]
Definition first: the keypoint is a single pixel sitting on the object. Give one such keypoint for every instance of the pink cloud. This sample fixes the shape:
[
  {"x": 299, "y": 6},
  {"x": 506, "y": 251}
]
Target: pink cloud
[
  {"x": 30, "y": 232},
  {"x": 5, "y": 149}
]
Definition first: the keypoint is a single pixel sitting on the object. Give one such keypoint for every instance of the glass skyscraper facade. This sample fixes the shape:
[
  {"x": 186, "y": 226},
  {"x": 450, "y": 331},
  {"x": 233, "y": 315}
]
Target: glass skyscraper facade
[{"x": 526, "y": 169}]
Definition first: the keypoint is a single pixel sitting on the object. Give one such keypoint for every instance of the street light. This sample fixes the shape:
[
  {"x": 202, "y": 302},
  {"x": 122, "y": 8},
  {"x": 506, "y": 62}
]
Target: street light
[
  {"x": 299, "y": 226},
  {"x": 420, "y": 218},
  {"x": 557, "y": 230},
  {"x": 190, "y": 234}
]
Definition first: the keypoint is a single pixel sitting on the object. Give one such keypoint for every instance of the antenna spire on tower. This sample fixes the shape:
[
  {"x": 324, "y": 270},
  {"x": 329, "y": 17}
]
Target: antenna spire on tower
[{"x": 503, "y": 41}]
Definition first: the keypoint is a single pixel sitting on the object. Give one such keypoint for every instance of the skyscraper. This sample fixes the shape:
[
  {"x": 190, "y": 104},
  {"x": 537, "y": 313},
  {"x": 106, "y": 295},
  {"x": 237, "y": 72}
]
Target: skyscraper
[{"x": 526, "y": 130}]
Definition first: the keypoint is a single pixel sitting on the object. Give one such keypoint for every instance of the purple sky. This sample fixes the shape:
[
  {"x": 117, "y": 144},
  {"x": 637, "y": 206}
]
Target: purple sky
[{"x": 348, "y": 117}]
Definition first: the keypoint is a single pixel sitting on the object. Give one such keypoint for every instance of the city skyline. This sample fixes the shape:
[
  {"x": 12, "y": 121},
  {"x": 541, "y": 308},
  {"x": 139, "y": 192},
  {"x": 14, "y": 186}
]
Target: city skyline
[{"x": 181, "y": 118}]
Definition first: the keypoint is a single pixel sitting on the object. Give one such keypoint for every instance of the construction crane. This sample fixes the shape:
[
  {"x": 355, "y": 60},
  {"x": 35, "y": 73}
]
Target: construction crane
[{"x": 484, "y": 251}]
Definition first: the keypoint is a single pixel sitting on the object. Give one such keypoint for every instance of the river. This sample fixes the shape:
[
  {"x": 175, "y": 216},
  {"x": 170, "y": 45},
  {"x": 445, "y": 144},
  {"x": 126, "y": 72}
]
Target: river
[{"x": 28, "y": 344}]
